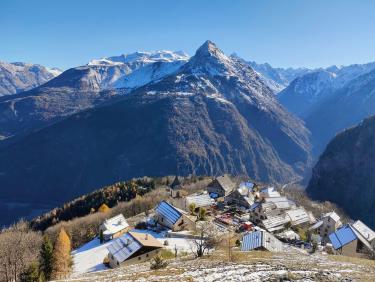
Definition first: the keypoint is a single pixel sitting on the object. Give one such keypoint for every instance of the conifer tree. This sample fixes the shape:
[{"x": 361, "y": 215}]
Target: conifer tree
[
  {"x": 61, "y": 256},
  {"x": 46, "y": 257},
  {"x": 104, "y": 208}
]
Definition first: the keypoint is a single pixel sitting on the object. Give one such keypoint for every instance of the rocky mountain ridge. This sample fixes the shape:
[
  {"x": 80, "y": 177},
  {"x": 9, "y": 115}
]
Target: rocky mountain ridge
[{"x": 213, "y": 115}]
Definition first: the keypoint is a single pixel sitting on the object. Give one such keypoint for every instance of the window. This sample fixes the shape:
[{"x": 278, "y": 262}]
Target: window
[
  {"x": 162, "y": 219},
  {"x": 118, "y": 263},
  {"x": 146, "y": 255},
  {"x": 139, "y": 258}
]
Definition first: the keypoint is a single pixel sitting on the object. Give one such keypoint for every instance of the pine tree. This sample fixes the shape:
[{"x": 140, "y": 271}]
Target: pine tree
[
  {"x": 61, "y": 256},
  {"x": 104, "y": 208},
  {"x": 46, "y": 257}
]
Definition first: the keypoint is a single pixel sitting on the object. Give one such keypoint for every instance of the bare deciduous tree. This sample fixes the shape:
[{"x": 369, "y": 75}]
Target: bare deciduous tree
[
  {"x": 207, "y": 239},
  {"x": 19, "y": 248}
]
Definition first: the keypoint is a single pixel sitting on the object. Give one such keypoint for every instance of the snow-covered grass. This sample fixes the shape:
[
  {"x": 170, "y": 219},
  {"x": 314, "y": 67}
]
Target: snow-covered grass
[
  {"x": 89, "y": 257},
  {"x": 249, "y": 266}
]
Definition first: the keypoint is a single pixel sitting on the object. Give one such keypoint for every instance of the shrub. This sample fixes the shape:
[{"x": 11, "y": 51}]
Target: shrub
[{"x": 158, "y": 263}]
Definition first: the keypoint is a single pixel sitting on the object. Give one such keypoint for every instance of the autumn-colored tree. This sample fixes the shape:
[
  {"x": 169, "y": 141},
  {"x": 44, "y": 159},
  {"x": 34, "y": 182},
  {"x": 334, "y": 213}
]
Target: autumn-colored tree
[
  {"x": 192, "y": 207},
  {"x": 46, "y": 257},
  {"x": 61, "y": 256},
  {"x": 104, "y": 208},
  {"x": 202, "y": 213}
]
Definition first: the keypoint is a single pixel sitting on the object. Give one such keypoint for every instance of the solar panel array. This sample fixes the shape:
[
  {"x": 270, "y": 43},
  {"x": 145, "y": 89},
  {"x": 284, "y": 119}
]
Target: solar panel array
[
  {"x": 123, "y": 247},
  {"x": 170, "y": 214}
]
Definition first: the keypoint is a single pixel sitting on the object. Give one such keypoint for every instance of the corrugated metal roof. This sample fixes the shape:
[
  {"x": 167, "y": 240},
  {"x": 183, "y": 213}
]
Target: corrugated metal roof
[
  {"x": 200, "y": 200},
  {"x": 298, "y": 216},
  {"x": 342, "y": 237},
  {"x": 280, "y": 202},
  {"x": 260, "y": 238},
  {"x": 123, "y": 247},
  {"x": 274, "y": 223},
  {"x": 170, "y": 214},
  {"x": 251, "y": 241},
  {"x": 115, "y": 224},
  {"x": 316, "y": 225}
]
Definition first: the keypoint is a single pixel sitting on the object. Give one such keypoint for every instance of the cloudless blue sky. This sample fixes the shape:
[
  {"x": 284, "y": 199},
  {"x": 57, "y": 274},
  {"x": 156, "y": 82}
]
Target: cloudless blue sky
[{"x": 285, "y": 33}]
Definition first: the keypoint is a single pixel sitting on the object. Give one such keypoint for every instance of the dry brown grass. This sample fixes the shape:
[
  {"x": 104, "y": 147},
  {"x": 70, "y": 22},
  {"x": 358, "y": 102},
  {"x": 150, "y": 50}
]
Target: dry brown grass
[{"x": 353, "y": 260}]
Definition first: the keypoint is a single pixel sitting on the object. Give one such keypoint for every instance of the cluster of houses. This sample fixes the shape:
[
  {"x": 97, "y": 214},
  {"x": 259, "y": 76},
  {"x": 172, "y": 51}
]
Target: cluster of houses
[{"x": 261, "y": 215}]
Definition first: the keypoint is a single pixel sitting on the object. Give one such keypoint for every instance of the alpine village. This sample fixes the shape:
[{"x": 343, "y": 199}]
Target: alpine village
[{"x": 154, "y": 223}]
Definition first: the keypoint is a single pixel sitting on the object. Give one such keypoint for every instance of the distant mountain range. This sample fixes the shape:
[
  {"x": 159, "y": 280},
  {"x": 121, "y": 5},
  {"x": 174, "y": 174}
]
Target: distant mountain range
[
  {"x": 278, "y": 78},
  {"x": 213, "y": 115},
  {"x": 344, "y": 173},
  {"x": 83, "y": 87},
  {"x": 163, "y": 113},
  {"x": 18, "y": 77},
  {"x": 330, "y": 100}
]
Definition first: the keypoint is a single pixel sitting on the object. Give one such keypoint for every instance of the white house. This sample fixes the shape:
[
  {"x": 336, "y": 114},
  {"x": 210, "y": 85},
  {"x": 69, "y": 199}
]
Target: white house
[
  {"x": 328, "y": 224},
  {"x": 365, "y": 231},
  {"x": 114, "y": 227}
]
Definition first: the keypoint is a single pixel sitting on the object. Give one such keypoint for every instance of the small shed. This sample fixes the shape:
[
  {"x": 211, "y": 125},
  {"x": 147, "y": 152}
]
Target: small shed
[
  {"x": 114, "y": 227},
  {"x": 132, "y": 247},
  {"x": 173, "y": 218},
  {"x": 260, "y": 240}
]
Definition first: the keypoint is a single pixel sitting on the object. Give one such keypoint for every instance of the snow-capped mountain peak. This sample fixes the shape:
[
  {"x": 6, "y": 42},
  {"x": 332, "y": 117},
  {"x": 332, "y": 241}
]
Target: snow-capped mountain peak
[{"x": 142, "y": 57}]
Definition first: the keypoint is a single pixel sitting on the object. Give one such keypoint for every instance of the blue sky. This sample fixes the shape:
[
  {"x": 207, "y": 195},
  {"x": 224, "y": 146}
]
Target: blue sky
[{"x": 284, "y": 33}]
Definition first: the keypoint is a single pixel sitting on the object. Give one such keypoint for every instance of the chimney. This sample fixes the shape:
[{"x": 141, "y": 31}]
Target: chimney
[{"x": 146, "y": 237}]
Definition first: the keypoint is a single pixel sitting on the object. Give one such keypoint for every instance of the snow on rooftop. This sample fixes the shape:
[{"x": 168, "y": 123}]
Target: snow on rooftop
[
  {"x": 364, "y": 230},
  {"x": 115, "y": 224},
  {"x": 332, "y": 215}
]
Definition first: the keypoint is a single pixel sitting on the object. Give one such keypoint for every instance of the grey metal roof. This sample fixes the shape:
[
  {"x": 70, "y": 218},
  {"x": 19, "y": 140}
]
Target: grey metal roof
[
  {"x": 200, "y": 200},
  {"x": 123, "y": 247},
  {"x": 170, "y": 214},
  {"x": 225, "y": 182}
]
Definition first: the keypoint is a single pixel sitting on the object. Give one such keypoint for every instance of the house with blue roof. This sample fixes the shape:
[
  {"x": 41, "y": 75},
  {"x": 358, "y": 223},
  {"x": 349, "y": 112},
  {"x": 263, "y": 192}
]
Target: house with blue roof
[
  {"x": 173, "y": 218},
  {"x": 348, "y": 242}
]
